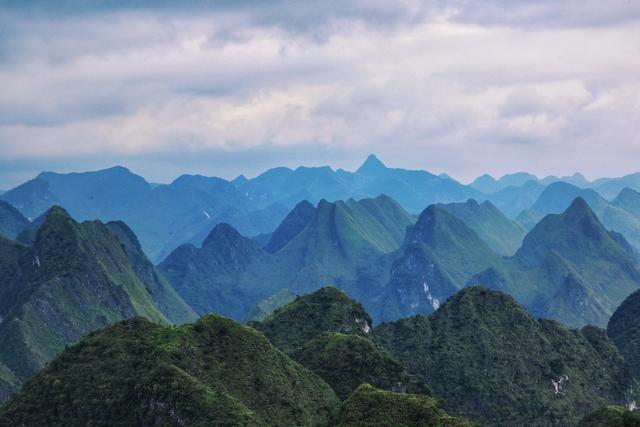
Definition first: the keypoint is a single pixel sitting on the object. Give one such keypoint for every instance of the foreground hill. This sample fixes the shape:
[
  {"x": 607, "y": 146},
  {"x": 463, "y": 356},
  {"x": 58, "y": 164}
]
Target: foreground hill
[
  {"x": 569, "y": 268},
  {"x": 493, "y": 362},
  {"x": 368, "y": 406},
  {"x": 73, "y": 279},
  {"x": 624, "y": 330},
  {"x": 329, "y": 333},
  {"x": 214, "y": 372}
]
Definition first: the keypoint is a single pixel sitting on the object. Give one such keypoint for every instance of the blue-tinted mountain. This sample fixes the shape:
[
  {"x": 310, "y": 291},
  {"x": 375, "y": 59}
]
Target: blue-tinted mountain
[
  {"x": 12, "y": 222},
  {"x": 439, "y": 255},
  {"x": 569, "y": 268},
  {"x": 513, "y": 200},
  {"x": 231, "y": 273},
  {"x": 621, "y": 215},
  {"x": 610, "y": 187},
  {"x": 500, "y": 233},
  {"x": 163, "y": 216},
  {"x": 291, "y": 226}
]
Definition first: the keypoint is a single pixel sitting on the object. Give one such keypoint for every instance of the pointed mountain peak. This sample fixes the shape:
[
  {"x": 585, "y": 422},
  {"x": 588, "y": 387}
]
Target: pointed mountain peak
[
  {"x": 291, "y": 226},
  {"x": 579, "y": 207},
  {"x": 56, "y": 212},
  {"x": 372, "y": 165},
  {"x": 222, "y": 232}
]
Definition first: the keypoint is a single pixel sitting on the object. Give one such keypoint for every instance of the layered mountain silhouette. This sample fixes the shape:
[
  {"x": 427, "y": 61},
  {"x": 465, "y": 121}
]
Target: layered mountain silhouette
[
  {"x": 12, "y": 222},
  {"x": 569, "y": 268},
  {"x": 622, "y": 214},
  {"x": 73, "y": 279},
  {"x": 340, "y": 244}
]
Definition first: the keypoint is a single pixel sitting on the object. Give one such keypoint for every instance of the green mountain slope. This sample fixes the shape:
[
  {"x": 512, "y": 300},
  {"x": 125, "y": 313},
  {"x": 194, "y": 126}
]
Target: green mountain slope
[
  {"x": 621, "y": 215},
  {"x": 12, "y": 222},
  {"x": 502, "y": 235},
  {"x": 368, "y": 406},
  {"x": 230, "y": 273},
  {"x": 345, "y": 361},
  {"x": 569, "y": 268},
  {"x": 493, "y": 362},
  {"x": 328, "y": 332},
  {"x": 214, "y": 372},
  {"x": 75, "y": 278},
  {"x": 440, "y": 254},
  {"x": 291, "y": 226},
  {"x": 624, "y": 330}
]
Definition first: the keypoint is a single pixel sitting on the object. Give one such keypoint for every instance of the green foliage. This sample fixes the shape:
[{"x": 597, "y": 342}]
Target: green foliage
[
  {"x": 370, "y": 407},
  {"x": 308, "y": 316},
  {"x": 624, "y": 330},
  {"x": 214, "y": 372},
  {"x": 344, "y": 361},
  {"x": 611, "y": 416},
  {"x": 493, "y": 362}
]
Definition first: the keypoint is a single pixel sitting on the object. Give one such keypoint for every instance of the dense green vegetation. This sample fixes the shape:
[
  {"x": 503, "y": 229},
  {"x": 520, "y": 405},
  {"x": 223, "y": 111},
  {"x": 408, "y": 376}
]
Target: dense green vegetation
[
  {"x": 214, "y": 372},
  {"x": 308, "y": 316},
  {"x": 73, "y": 279},
  {"x": 328, "y": 332},
  {"x": 344, "y": 361},
  {"x": 624, "y": 330},
  {"x": 494, "y": 363},
  {"x": 368, "y": 406},
  {"x": 611, "y": 416}
]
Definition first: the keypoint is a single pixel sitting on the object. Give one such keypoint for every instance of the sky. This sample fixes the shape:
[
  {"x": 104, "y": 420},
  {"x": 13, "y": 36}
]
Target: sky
[{"x": 228, "y": 87}]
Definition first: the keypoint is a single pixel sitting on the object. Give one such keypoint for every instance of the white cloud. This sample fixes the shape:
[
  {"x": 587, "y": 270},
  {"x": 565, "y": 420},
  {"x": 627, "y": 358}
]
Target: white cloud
[{"x": 452, "y": 88}]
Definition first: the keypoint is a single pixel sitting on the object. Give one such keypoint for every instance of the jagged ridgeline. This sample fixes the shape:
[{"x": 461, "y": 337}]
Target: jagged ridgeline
[
  {"x": 569, "y": 268},
  {"x": 491, "y": 361},
  {"x": 74, "y": 278}
]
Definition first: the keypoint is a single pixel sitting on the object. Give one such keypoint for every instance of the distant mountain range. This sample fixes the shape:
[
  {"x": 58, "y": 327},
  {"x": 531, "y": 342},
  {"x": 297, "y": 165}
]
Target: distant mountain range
[{"x": 165, "y": 216}]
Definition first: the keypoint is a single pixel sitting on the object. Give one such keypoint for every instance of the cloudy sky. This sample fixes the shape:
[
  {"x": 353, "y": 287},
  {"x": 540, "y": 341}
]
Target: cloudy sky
[{"x": 462, "y": 87}]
